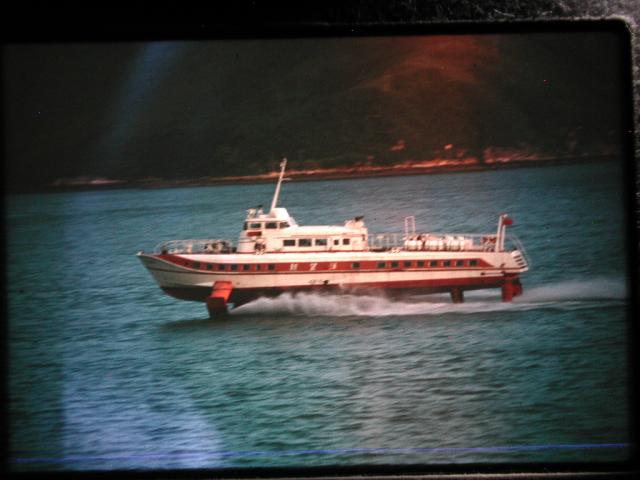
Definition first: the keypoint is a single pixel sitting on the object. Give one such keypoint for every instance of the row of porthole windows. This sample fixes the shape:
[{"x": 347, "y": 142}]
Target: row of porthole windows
[
  {"x": 232, "y": 267},
  {"x": 422, "y": 263},
  {"x": 308, "y": 242},
  {"x": 406, "y": 264}
]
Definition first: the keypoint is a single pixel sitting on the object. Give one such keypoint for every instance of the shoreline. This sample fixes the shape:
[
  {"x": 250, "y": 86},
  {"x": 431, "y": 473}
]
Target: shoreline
[{"x": 339, "y": 173}]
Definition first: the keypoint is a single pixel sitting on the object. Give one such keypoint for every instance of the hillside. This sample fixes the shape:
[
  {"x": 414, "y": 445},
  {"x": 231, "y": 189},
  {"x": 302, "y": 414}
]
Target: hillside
[{"x": 215, "y": 109}]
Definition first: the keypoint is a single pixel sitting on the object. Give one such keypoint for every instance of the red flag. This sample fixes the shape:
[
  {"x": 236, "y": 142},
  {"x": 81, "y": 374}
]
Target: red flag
[{"x": 507, "y": 221}]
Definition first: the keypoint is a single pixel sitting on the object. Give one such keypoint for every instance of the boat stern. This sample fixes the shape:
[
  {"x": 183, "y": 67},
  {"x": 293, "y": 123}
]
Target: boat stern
[{"x": 520, "y": 260}]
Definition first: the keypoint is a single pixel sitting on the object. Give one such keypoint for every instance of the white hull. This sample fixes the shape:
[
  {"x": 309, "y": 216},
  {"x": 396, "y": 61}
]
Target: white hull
[{"x": 191, "y": 277}]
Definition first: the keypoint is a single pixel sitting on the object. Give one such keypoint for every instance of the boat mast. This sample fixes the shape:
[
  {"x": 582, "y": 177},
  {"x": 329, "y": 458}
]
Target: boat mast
[
  {"x": 503, "y": 221},
  {"x": 283, "y": 165}
]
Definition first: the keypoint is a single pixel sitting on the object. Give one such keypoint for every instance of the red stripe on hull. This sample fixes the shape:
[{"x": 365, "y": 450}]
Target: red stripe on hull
[
  {"x": 241, "y": 296},
  {"x": 364, "y": 265}
]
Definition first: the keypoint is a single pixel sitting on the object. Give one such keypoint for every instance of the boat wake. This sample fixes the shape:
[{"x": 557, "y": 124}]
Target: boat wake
[{"x": 567, "y": 295}]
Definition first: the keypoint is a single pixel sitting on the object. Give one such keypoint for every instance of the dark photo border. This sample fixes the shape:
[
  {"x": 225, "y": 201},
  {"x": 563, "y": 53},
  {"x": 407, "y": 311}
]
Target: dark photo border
[{"x": 256, "y": 19}]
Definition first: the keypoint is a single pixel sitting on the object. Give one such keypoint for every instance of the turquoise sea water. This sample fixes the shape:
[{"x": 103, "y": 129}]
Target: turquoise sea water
[{"x": 107, "y": 372}]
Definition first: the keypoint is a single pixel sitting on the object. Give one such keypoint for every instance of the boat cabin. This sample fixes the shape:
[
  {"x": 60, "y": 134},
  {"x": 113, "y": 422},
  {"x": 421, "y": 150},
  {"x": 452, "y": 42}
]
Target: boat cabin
[{"x": 277, "y": 231}]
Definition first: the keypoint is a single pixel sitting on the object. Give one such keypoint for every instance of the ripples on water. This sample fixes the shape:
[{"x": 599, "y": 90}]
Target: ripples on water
[{"x": 106, "y": 372}]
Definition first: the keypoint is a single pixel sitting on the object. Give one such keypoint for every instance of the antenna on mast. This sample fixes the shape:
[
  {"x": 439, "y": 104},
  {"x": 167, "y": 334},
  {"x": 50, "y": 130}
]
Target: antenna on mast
[{"x": 283, "y": 165}]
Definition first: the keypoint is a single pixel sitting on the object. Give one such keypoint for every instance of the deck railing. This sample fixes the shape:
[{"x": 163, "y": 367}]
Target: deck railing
[
  {"x": 515, "y": 244},
  {"x": 471, "y": 242},
  {"x": 467, "y": 242},
  {"x": 195, "y": 246}
]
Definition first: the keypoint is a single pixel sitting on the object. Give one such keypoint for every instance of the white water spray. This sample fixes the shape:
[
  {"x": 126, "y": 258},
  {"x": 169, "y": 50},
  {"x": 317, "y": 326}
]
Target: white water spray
[{"x": 569, "y": 295}]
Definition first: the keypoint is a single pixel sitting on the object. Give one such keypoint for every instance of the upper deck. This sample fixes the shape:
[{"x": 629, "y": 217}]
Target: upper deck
[
  {"x": 277, "y": 232},
  {"x": 306, "y": 242}
]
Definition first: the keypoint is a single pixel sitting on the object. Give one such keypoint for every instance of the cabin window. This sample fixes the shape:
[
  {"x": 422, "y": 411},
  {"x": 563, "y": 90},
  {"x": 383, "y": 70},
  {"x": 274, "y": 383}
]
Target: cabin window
[
  {"x": 304, "y": 242},
  {"x": 196, "y": 264},
  {"x": 433, "y": 263},
  {"x": 209, "y": 266},
  {"x": 321, "y": 242},
  {"x": 220, "y": 267},
  {"x": 234, "y": 267},
  {"x": 255, "y": 225},
  {"x": 289, "y": 243},
  {"x": 381, "y": 264},
  {"x": 336, "y": 242},
  {"x": 446, "y": 263},
  {"x": 246, "y": 267},
  {"x": 284, "y": 225},
  {"x": 346, "y": 241},
  {"x": 258, "y": 267},
  {"x": 473, "y": 263},
  {"x": 420, "y": 263},
  {"x": 394, "y": 264},
  {"x": 272, "y": 225},
  {"x": 407, "y": 264},
  {"x": 245, "y": 226},
  {"x": 271, "y": 266},
  {"x": 459, "y": 263},
  {"x": 355, "y": 265}
]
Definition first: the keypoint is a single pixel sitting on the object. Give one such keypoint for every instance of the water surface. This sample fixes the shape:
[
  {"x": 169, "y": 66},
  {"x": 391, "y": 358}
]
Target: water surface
[{"x": 107, "y": 372}]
